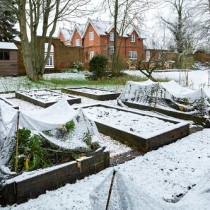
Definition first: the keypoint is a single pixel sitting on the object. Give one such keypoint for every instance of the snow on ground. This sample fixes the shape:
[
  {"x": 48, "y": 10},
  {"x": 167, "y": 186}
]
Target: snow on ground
[
  {"x": 164, "y": 174},
  {"x": 75, "y": 76},
  {"x": 196, "y": 79}
]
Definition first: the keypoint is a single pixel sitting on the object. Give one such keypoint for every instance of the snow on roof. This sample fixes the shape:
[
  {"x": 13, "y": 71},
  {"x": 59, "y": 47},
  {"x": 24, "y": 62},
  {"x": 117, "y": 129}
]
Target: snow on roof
[
  {"x": 8, "y": 46},
  {"x": 67, "y": 33},
  {"x": 103, "y": 27},
  {"x": 80, "y": 28}
]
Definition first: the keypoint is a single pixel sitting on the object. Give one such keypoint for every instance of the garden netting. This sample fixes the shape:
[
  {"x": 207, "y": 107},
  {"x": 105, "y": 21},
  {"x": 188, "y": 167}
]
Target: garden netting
[
  {"x": 152, "y": 93},
  {"x": 48, "y": 123},
  {"x": 126, "y": 196}
]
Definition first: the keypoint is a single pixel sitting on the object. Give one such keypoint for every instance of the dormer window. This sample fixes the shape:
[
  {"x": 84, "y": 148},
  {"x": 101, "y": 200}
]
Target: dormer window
[
  {"x": 91, "y": 35},
  {"x": 111, "y": 36},
  {"x": 133, "y": 38}
]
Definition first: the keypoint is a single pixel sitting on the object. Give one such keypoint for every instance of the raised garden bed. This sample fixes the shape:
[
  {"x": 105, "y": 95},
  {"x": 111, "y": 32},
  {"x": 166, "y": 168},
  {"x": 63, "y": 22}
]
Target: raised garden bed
[
  {"x": 140, "y": 131},
  {"x": 177, "y": 114},
  {"x": 45, "y": 98},
  {"x": 97, "y": 94},
  {"x": 9, "y": 103},
  {"x": 31, "y": 184}
]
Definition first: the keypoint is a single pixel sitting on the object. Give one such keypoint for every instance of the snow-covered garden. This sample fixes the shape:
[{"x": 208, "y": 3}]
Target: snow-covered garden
[{"x": 175, "y": 176}]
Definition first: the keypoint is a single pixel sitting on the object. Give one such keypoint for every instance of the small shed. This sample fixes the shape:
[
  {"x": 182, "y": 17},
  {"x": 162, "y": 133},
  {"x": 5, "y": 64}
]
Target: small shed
[{"x": 8, "y": 59}]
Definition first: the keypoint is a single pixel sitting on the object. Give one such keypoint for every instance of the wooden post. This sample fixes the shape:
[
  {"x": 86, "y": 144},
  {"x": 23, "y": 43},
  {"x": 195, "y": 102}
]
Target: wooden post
[
  {"x": 110, "y": 190},
  {"x": 17, "y": 143}
]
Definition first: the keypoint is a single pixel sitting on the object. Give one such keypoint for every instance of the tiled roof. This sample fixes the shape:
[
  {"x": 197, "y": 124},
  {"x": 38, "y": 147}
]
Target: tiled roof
[
  {"x": 67, "y": 33},
  {"x": 103, "y": 27}
]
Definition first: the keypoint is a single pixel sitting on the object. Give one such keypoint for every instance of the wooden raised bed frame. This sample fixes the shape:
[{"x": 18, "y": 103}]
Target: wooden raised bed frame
[
  {"x": 9, "y": 103},
  {"x": 180, "y": 115},
  {"x": 102, "y": 97},
  {"x": 154, "y": 141},
  {"x": 71, "y": 100},
  {"x": 19, "y": 191}
]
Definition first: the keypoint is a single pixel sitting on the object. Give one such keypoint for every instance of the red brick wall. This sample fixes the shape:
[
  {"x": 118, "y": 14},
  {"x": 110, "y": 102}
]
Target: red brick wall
[
  {"x": 100, "y": 45},
  {"x": 64, "y": 56},
  {"x": 76, "y": 36}
]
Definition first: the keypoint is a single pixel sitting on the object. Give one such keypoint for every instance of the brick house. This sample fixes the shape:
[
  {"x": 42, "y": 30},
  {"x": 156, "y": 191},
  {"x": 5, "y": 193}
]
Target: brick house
[
  {"x": 98, "y": 38},
  {"x": 65, "y": 36},
  {"x": 77, "y": 35}
]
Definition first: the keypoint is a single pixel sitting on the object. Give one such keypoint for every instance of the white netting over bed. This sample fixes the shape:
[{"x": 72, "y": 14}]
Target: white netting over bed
[
  {"x": 126, "y": 196},
  {"x": 49, "y": 123},
  {"x": 120, "y": 194},
  {"x": 153, "y": 92},
  {"x": 8, "y": 124}
]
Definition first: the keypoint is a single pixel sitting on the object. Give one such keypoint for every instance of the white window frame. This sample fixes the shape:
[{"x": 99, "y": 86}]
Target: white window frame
[
  {"x": 50, "y": 62},
  {"x": 148, "y": 55},
  {"x": 133, "y": 38},
  {"x": 77, "y": 42},
  {"x": 91, "y": 35},
  {"x": 111, "y": 36},
  {"x": 111, "y": 49},
  {"x": 91, "y": 54},
  {"x": 132, "y": 54}
]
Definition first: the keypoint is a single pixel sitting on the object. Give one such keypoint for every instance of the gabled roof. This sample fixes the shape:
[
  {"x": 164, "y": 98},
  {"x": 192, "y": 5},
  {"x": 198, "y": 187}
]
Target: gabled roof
[
  {"x": 80, "y": 28},
  {"x": 8, "y": 46},
  {"x": 100, "y": 26},
  {"x": 103, "y": 27},
  {"x": 67, "y": 33}
]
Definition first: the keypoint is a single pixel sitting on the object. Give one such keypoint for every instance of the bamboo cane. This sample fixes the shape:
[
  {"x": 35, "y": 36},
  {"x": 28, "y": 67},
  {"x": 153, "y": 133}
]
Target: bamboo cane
[
  {"x": 17, "y": 142},
  {"x": 110, "y": 190}
]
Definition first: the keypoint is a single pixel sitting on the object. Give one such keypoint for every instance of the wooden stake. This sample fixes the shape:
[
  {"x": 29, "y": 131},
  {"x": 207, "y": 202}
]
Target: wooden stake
[
  {"x": 110, "y": 190},
  {"x": 17, "y": 142}
]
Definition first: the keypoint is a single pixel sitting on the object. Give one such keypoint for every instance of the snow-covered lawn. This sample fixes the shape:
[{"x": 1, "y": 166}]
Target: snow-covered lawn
[
  {"x": 196, "y": 79},
  {"x": 165, "y": 174}
]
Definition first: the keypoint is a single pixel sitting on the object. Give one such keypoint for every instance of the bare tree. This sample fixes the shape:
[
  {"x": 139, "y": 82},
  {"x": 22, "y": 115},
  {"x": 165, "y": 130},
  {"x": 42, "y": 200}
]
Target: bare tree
[
  {"x": 147, "y": 68},
  {"x": 200, "y": 12},
  {"x": 179, "y": 26},
  {"x": 126, "y": 13},
  {"x": 40, "y": 15}
]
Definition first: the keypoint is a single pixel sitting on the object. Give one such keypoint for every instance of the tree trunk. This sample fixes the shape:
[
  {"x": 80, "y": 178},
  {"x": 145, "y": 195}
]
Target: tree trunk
[
  {"x": 26, "y": 47},
  {"x": 114, "y": 60}
]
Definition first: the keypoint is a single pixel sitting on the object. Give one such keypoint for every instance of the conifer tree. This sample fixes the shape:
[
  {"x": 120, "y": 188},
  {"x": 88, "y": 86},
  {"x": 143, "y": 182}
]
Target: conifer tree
[{"x": 7, "y": 23}]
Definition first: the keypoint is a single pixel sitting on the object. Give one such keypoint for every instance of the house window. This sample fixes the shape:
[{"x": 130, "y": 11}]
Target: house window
[
  {"x": 50, "y": 62},
  {"x": 111, "y": 36},
  {"x": 91, "y": 35},
  {"x": 132, "y": 54},
  {"x": 111, "y": 49},
  {"x": 147, "y": 56},
  {"x": 4, "y": 55},
  {"x": 91, "y": 54},
  {"x": 77, "y": 42},
  {"x": 133, "y": 38}
]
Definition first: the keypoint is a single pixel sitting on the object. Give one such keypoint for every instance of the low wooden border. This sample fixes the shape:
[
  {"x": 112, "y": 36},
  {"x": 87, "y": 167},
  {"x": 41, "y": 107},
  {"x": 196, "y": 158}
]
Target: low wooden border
[
  {"x": 22, "y": 96},
  {"x": 9, "y": 103},
  {"x": 180, "y": 115},
  {"x": 142, "y": 143},
  {"x": 104, "y": 97},
  {"x": 18, "y": 190}
]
